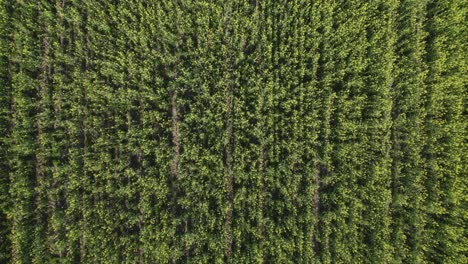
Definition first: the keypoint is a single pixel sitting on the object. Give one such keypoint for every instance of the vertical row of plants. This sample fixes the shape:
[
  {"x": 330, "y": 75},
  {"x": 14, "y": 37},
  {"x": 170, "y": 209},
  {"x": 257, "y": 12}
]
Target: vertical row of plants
[
  {"x": 407, "y": 133},
  {"x": 444, "y": 125},
  {"x": 5, "y": 104}
]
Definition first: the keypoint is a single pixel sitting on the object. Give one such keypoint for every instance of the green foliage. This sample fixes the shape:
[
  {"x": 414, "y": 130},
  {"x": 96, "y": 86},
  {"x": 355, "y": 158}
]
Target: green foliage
[
  {"x": 408, "y": 192},
  {"x": 444, "y": 126},
  {"x": 233, "y": 131},
  {"x": 5, "y": 104}
]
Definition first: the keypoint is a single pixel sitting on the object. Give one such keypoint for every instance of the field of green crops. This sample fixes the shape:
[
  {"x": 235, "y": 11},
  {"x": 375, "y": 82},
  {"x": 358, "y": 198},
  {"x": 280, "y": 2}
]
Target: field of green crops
[{"x": 233, "y": 131}]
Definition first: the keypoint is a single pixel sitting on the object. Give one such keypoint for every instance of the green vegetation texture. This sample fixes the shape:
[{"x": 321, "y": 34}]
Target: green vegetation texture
[{"x": 233, "y": 131}]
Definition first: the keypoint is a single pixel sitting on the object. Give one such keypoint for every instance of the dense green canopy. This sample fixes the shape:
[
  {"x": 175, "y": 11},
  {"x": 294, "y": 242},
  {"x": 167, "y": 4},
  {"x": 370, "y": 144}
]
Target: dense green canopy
[{"x": 214, "y": 131}]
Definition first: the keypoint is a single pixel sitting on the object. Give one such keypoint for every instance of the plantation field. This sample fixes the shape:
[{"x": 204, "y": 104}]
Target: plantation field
[{"x": 210, "y": 131}]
